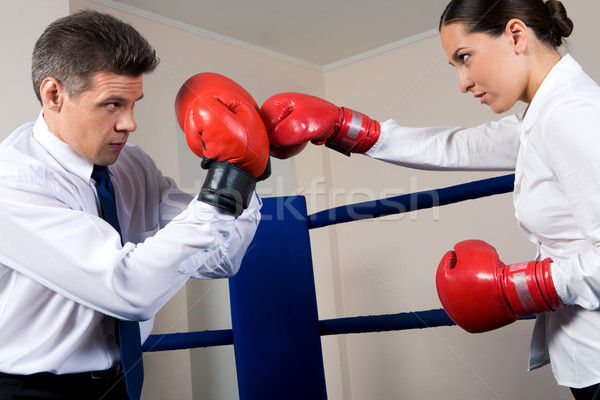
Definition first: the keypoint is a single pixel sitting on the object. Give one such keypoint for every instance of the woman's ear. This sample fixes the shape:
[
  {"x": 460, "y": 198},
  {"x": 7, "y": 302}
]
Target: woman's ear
[
  {"x": 516, "y": 31},
  {"x": 52, "y": 94}
]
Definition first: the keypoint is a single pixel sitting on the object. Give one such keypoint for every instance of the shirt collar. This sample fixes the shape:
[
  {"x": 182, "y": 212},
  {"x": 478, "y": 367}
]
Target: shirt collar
[
  {"x": 564, "y": 70},
  {"x": 61, "y": 152}
]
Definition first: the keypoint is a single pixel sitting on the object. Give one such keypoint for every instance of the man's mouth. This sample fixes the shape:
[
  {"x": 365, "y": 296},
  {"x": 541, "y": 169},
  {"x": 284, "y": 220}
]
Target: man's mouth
[{"x": 117, "y": 145}]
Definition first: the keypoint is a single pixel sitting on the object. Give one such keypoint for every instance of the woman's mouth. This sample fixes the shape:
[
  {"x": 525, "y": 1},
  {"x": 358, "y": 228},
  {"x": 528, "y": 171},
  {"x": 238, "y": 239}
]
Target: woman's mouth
[{"x": 481, "y": 97}]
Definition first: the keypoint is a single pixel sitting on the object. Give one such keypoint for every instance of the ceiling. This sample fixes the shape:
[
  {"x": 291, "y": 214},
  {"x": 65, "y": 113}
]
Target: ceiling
[{"x": 318, "y": 33}]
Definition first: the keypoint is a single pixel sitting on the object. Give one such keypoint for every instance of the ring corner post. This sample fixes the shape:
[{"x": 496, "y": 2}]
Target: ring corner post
[{"x": 276, "y": 333}]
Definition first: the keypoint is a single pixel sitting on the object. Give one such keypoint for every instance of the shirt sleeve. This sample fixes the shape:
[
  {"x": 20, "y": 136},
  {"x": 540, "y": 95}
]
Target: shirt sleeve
[
  {"x": 491, "y": 146},
  {"x": 572, "y": 141},
  {"x": 80, "y": 256}
]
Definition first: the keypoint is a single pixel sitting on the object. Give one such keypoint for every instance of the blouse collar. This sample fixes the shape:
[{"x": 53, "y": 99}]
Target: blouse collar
[{"x": 564, "y": 70}]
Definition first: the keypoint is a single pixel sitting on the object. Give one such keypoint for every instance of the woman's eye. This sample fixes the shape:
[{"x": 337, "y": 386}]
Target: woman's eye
[{"x": 464, "y": 57}]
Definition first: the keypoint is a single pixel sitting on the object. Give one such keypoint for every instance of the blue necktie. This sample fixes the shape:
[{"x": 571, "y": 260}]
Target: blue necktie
[{"x": 128, "y": 331}]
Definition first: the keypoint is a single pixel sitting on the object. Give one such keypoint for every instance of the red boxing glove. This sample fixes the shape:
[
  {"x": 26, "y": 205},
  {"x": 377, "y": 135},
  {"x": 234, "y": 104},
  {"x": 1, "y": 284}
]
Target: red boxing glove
[
  {"x": 222, "y": 125},
  {"x": 480, "y": 293},
  {"x": 294, "y": 119},
  {"x": 220, "y": 120}
]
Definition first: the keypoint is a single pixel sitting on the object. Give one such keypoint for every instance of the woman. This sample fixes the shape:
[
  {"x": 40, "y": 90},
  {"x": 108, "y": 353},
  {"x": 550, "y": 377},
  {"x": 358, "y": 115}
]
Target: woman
[{"x": 504, "y": 52}]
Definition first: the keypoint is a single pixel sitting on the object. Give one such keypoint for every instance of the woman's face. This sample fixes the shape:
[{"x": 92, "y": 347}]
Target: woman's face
[{"x": 487, "y": 66}]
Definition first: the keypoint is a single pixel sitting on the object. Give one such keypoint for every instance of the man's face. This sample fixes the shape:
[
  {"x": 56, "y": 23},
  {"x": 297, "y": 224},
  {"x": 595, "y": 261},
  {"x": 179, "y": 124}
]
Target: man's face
[{"x": 97, "y": 122}]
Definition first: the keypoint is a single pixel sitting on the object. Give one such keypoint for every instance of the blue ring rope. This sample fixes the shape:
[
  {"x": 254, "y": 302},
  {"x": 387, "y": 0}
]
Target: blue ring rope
[
  {"x": 188, "y": 340},
  {"x": 328, "y": 327},
  {"x": 412, "y": 201},
  {"x": 387, "y": 322}
]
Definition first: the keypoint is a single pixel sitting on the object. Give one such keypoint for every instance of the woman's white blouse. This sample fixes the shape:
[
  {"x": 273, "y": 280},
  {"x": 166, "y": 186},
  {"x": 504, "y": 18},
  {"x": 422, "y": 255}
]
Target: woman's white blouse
[{"x": 554, "y": 149}]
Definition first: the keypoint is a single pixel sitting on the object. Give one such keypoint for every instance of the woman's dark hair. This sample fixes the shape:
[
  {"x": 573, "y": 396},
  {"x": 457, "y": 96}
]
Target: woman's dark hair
[
  {"x": 75, "y": 47},
  {"x": 547, "y": 19}
]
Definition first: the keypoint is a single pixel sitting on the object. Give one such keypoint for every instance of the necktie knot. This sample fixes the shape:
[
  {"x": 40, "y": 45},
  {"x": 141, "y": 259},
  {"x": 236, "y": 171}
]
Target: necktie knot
[{"x": 100, "y": 173}]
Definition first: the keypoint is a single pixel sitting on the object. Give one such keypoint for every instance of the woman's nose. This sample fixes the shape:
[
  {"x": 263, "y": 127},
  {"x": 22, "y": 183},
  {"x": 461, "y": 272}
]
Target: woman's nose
[{"x": 465, "y": 83}]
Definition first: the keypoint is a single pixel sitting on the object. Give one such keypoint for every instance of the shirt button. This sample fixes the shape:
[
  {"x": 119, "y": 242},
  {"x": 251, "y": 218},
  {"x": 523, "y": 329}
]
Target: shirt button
[{"x": 111, "y": 338}]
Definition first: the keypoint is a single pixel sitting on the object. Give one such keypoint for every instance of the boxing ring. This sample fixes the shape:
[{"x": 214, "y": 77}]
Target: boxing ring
[{"x": 276, "y": 332}]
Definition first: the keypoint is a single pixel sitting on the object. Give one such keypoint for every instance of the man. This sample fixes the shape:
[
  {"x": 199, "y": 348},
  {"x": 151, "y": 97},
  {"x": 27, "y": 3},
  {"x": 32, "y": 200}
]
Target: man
[{"x": 70, "y": 270}]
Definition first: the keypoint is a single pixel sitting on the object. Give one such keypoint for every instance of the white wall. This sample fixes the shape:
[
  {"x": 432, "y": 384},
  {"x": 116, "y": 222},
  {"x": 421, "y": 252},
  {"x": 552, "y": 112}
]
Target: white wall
[
  {"x": 369, "y": 267},
  {"x": 21, "y": 23}
]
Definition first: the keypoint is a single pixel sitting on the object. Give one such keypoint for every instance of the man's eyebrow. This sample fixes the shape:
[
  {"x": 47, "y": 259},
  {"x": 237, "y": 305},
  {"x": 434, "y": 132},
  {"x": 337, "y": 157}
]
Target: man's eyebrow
[{"x": 119, "y": 99}]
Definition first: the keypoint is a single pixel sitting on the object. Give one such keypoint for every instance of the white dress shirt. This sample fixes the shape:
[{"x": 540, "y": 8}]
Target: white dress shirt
[
  {"x": 63, "y": 271},
  {"x": 554, "y": 149}
]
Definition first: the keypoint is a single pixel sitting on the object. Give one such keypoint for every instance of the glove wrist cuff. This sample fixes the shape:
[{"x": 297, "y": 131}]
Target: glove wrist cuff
[
  {"x": 227, "y": 187},
  {"x": 357, "y": 133},
  {"x": 546, "y": 284},
  {"x": 529, "y": 288}
]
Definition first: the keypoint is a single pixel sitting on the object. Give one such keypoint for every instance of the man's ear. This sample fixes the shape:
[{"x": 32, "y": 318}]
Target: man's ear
[
  {"x": 516, "y": 31},
  {"x": 52, "y": 94}
]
